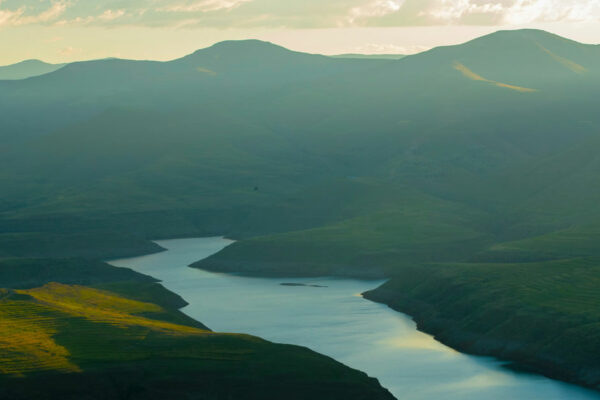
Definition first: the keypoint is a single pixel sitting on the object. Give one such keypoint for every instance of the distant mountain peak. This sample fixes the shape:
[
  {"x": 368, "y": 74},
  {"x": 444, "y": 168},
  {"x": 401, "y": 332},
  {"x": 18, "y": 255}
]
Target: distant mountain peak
[
  {"x": 244, "y": 43},
  {"x": 537, "y": 35},
  {"x": 244, "y": 46},
  {"x": 32, "y": 61},
  {"x": 27, "y": 69}
]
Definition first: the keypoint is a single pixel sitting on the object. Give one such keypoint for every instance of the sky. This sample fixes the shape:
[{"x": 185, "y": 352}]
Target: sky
[{"x": 68, "y": 30}]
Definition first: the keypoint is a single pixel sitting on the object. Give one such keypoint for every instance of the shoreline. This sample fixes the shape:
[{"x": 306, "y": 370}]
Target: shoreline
[
  {"x": 519, "y": 356},
  {"x": 462, "y": 341},
  {"x": 457, "y": 341}
]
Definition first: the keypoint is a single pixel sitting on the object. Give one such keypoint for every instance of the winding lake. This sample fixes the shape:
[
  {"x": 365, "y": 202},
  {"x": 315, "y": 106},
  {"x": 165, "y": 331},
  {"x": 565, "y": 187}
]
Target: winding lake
[{"x": 335, "y": 320}]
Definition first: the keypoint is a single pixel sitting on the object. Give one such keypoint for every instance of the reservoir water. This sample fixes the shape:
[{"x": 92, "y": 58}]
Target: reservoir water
[{"x": 332, "y": 318}]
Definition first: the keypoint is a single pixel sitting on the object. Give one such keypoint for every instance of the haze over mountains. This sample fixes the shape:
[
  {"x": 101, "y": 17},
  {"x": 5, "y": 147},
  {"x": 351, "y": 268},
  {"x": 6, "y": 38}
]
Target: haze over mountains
[
  {"x": 486, "y": 152},
  {"x": 371, "y": 56},
  {"x": 262, "y": 111}
]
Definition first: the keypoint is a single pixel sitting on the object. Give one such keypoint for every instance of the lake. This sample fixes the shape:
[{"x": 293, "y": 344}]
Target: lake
[{"x": 332, "y": 318}]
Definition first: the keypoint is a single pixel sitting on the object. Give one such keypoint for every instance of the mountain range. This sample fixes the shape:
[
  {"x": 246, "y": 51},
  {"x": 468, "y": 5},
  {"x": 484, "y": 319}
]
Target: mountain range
[{"x": 479, "y": 156}]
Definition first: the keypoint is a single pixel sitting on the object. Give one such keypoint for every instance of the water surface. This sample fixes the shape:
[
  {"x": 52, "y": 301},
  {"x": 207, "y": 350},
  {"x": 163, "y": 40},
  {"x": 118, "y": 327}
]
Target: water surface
[{"x": 335, "y": 320}]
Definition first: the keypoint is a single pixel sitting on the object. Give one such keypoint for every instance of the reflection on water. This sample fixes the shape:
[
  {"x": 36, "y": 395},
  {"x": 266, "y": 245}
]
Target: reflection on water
[
  {"x": 334, "y": 320},
  {"x": 414, "y": 340}
]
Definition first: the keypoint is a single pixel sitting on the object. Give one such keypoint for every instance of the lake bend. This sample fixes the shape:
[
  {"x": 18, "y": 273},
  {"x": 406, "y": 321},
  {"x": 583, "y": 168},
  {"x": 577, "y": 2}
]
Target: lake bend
[{"x": 330, "y": 316}]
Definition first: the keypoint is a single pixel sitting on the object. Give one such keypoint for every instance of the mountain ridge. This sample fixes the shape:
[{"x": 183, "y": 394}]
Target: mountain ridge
[{"x": 27, "y": 69}]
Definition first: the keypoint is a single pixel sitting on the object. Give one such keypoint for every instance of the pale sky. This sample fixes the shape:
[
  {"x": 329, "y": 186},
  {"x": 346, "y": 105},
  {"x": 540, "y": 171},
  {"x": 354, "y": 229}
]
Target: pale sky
[{"x": 69, "y": 30}]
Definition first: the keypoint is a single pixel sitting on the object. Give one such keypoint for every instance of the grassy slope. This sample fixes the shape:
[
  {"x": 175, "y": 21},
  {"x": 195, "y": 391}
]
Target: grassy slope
[
  {"x": 411, "y": 227},
  {"x": 575, "y": 241},
  {"x": 543, "y": 316},
  {"x": 125, "y": 338}
]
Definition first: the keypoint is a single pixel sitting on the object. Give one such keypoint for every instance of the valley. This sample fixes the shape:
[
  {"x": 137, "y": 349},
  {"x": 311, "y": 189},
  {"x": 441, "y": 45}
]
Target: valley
[
  {"x": 329, "y": 315},
  {"x": 465, "y": 177}
]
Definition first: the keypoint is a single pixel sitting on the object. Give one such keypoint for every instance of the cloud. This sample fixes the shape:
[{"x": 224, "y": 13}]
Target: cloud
[
  {"x": 524, "y": 11},
  {"x": 456, "y": 10},
  {"x": 204, "y": 6},
  {"x": 388, "y": 48},
  {"x": 7, "y": 17},
  {"x": 294, "y": 13},
  {"x": 69, "y": 51},
  {"x": 376, "y": 8},
  {"x": 110, "y": 15},
  {"x": 23, "y": 16},
  {"x": 512, "y": 12}
]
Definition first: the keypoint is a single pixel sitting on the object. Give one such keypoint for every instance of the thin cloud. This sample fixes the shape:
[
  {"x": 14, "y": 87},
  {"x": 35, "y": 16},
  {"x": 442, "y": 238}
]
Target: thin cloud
[
  {"x": 523, "y": 11},
  {"x": 373, "y": 9},
  {"x": 21, "y": 16},
  {"x": 110, "y": 15},
  {"x": 69, "y": 51},
  {"x": 205, "y": 6},
  {"x": 512, "y": 12},
  {"x": 294, "y": 14},
  {"x": 388, "y": 48}
]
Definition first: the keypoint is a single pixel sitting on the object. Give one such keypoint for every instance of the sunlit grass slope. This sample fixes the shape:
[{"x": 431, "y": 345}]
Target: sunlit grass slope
[
  {"x": 127, "y": 339},
  {"x": 102, "y": 307},
  {"x": 27, "y": 337},
  {"x": 34, "y": 318},
  {"x": 474, "y": 76}
]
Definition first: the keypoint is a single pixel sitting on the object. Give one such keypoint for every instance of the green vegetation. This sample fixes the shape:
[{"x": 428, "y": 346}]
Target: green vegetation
[
  {"x": 417, "y": 228},
  {"x": 544, "y": 316},
  {"x": 126, "y": 338},
  {"x": 477, "y": 157}
]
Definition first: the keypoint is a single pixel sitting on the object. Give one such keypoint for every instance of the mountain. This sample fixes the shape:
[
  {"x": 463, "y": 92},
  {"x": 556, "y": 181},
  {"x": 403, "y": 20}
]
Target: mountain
[
  {"x": 243, "y": 110},
  {"x": 527, "y": 58},
  {"x": 229, "y": 72},
  {"x": 27, "y": 69},
  {"x": 474, "y": 156}
]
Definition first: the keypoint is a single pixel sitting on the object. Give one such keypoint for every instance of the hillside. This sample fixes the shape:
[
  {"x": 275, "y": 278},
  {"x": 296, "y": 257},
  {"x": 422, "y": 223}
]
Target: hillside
[
  {"x": 542, "y": 316},
  {"x": 120, "y": 334}
]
